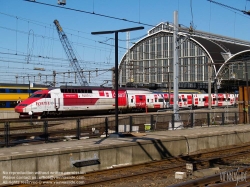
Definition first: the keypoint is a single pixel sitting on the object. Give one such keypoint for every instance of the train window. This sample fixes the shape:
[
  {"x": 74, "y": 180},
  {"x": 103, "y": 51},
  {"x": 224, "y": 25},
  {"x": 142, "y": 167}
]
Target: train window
[
  {"x": 48, "y": 96},
  {"x": 204, "y": 99},
  {"x": 131, "y": 100},
  {"x": 12, "y": 90},
  {"x": 180, "y": 100},
  {"x": 160, "y": 100},
  {"x": 148, "y": 100},
  {"x": 166, "y": 100},
  {"x": 13, "y": 104},
  {"x": 184, "y": 99},
  {"x": 2, "y": 91},
  {"x": 2, "y": 104},
  {"x": 155, "y": 100},
  {"x": 23, "y": 90},
  {"x": 214, "y": 99}
]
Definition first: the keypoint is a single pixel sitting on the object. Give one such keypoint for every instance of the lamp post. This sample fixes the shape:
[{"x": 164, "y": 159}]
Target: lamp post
[{"x": 116, "y": 66}]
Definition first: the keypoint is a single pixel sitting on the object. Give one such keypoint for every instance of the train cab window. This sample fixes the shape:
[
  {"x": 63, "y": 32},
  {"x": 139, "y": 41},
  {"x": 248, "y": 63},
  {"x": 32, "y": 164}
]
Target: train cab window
[
  {"x": 36, "y": 96},
  {"x": 48, "y": 96}
]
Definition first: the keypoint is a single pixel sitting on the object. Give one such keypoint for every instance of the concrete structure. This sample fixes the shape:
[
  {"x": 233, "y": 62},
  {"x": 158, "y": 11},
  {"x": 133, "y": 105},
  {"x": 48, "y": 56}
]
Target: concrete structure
[
  {"x": 8, "y": 114},
  {"x": 53, "y": 159}
]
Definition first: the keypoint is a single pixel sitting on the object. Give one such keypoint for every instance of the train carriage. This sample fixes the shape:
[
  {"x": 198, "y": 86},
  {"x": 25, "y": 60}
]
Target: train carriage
[{"x": 99, "y": 100}]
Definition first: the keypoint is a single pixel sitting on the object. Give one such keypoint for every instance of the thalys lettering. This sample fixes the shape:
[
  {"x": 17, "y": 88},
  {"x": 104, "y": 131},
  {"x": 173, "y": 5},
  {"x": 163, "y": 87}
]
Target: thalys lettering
[
  {"x": 44, "y": 103},
  {"x": 102, "y": 100}
]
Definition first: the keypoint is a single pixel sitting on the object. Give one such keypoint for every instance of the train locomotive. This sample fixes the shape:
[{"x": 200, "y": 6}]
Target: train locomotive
[{"x": 68, "y": 101}]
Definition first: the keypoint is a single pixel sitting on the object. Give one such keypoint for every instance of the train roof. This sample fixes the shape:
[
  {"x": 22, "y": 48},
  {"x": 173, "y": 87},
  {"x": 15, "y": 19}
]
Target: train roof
[
  {"x": 9, "y": 85},
  {"x": 100, "y": 88},
  {"x": 192, "y": 91}
]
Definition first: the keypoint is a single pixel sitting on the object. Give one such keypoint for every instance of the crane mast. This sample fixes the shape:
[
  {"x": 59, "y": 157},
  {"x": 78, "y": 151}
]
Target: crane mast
[{"x": 70, "y": 53}]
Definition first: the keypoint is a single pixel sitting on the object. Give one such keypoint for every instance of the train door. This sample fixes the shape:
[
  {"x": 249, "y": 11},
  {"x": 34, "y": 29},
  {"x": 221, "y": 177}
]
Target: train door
[
  {"x": 57, "y": 101},
  {"x": 122, "y": 99},
  {"x": 213, "y": 100},
  {"x": 180, "y": 101},
  {"x": 166, "y": 101},
  {"x": 232, "y": 99},
  {"x": 205, "y": 99},
  {"x": 220, "y": 99},
  {"x": 201, "y": 100},
  {"x": 140, "y": 101},
  {"x": 158, "y": 101},
  {"x": 171, "y": 99},
  {"x": 195, "y": 100},
  {"x": 189, "y": 100}
]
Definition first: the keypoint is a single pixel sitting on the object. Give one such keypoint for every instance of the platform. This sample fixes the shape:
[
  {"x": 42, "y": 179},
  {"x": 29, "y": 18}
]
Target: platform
[{"x": 56, "y": 157}]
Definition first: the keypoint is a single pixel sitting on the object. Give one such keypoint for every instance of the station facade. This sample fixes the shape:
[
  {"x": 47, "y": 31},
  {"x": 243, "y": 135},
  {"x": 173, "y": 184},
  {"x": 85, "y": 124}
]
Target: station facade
[{"x": 202, "y": 57}]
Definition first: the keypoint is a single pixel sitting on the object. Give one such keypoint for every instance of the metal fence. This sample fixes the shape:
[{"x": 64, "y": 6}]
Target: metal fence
[{"x": 14, "y": 132}]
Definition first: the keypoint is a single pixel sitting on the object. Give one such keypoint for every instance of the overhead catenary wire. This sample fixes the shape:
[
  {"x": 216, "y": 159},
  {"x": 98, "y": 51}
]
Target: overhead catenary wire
[
  {"x": 93, "y": 13},
  {"x": 44, "y": 54}
]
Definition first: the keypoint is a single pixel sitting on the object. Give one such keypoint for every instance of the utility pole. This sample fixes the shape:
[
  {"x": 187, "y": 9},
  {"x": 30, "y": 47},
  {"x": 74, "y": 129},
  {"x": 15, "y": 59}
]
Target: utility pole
[
  {"x": 116, "y": 134},
  {"x": 248, "y": 98},
  {"x": 209, "y": 83},
  {"x": 176, "y": 68}
]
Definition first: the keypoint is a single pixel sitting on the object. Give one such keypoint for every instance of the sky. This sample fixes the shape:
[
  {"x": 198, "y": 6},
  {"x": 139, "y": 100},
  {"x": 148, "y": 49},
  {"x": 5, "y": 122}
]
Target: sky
[{"x": 30, "y": 48}]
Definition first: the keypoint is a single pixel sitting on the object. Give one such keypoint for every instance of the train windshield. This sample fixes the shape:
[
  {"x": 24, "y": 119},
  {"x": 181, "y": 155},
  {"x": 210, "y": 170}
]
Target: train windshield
[{"x": 36, "y": 96}]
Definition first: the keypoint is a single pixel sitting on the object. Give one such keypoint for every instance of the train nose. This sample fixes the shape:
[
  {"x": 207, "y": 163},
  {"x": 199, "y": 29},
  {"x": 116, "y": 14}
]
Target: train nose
[{"x": 18, "y": 109}]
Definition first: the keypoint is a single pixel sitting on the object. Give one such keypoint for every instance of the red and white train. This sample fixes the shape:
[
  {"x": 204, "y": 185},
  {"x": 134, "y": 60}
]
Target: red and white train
[{"x": 93, "y": 100}]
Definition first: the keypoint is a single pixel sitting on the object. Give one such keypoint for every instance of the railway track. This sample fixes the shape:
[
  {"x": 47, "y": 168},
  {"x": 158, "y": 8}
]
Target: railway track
[{"x": 156, "y": 173}]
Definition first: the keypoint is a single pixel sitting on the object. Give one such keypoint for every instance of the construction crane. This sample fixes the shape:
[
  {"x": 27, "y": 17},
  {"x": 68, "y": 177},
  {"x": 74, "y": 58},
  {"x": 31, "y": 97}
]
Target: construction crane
[
  {"x": 243, "y": 11},
  {"x": 70, "y": 53}
]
